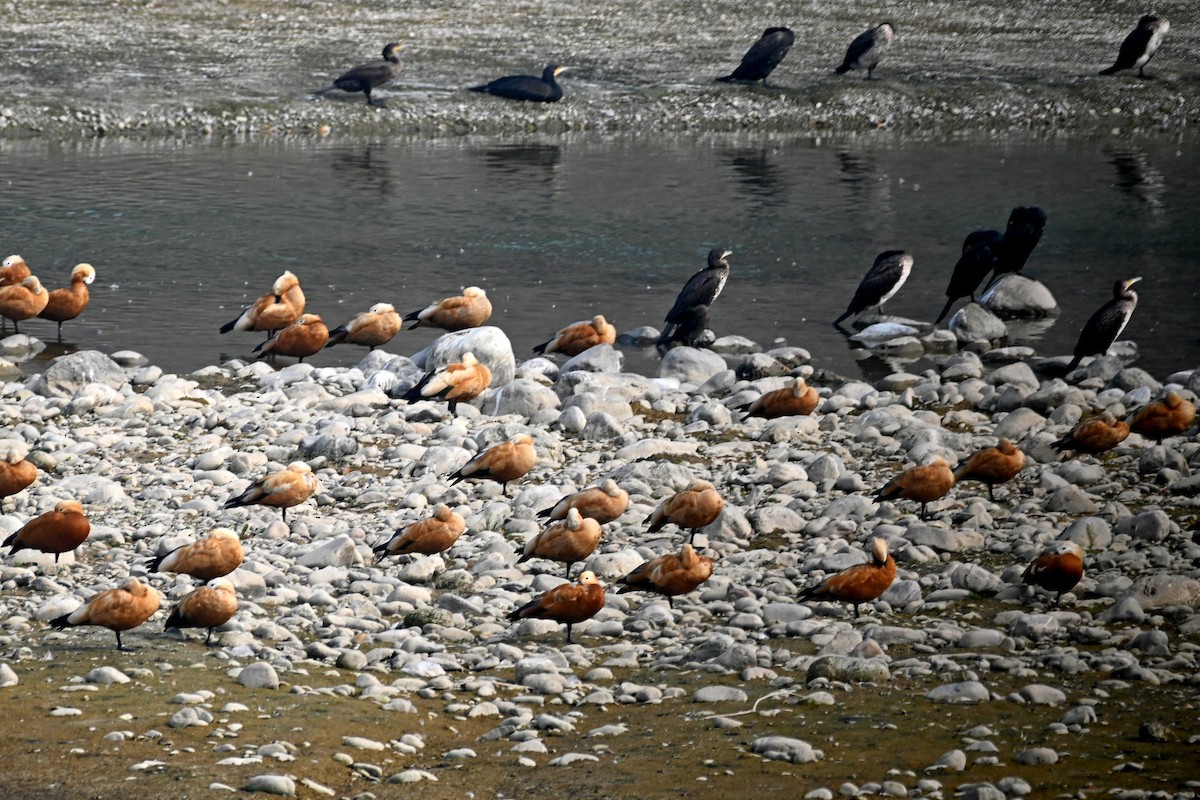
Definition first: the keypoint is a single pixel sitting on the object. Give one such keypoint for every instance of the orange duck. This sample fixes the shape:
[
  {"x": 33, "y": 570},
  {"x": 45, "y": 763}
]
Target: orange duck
[
  {"x": 691, "y": 509},
  {"x": 992, "y": 465},
  {"x": 670, "y": 574},
  {"x": 303, "y": 338},
  {"x": 435, "y": 534},
  {"x": 276, "y": 309},
  {"x": 288, "y": 487},
  {"x": 208, "y": 606},
  {"x": 796, "y": 399},
  {"x": 1095, "y": 435},
  {"x": 15, "y": 474},
  {"x": 459, "y": 382},
  {"x": 13, "y": 271},
  {"x": 505, "y": 462},
  {"x": 214, "y": 556},
  {"x": 924, "y": 484},
  {"x": 67, "y": 304},
  {"x": 861, "y": 583},
  {"x": 603, "y": 503},
  {"x": 24, "y": 300},
  {"x": 120, "y": 609},
  {"x": 373, "y": 328},
  {"x": 569, "y": 540},
  {"x": 579, "y": 336},
  {"x": 58, "y": 531},
  {"x": 1164, "y": 418},
  {"x": 571, "y": 603},
  {"x": 1058, "y": 569},
  {"x": 468, "y": 310}
]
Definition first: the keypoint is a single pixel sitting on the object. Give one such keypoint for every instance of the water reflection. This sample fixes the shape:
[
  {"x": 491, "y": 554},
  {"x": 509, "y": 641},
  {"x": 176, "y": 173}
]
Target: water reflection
[
  {"x": 1138, "y": 178},
  {"x": 369, "y": 166},
  {"x": 758, "y": 173},
  {"x": 538, "y": 161}
]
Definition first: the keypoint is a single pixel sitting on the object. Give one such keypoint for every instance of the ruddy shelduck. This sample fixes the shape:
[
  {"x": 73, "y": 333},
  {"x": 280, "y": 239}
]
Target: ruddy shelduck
[
  {"x": 1095, "y": 435},
  {"x": 504, "y": 462},
  {"x": 691, "y": 509},
  {"x": 603, "y": 503},
  {"x": 303, "y": 338},
  {"x": 120, "y": 609},
  {"x": 670, "y": 574},
  {"x": 579, "y": 336},
  {"x": 795, "y": 399},
  {"x": 861, "y": 583},
  {"x": 569, "y": 540},
  {"x": 58, "y": 531},
  {"x": 216, "y": 555},
  {"x": 24, "y": 300},
  {"x": 67, "y": 304},
  {"x": 288, "y": 487},
  {"x": 15, "y": 474},
  {"x": 1058, "y": 569},
  {"x": 924, "y": 483},
  {"x": 434, "y": 534},
  {"x": 992, "y": 465},
  {"x": 13, "y": 271},
  {"x": 570, "y": 603},
  {"x": 372, "y": 328},
  {"x": 208, "y": 606},
  {"x": 1170, "y": 416},
  {"x": 461, "y": 381},
  {"x": 276, "y": 309},
  {"x": 467, "y": 310}
]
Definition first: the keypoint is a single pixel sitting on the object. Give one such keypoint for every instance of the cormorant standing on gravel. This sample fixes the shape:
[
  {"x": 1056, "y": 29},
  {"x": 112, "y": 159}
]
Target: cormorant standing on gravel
[
  {"x": 370, "y": 75},
  {"x": 689, "y": 315},
  {"x": 1021, "y": 235},
  {"x": 763, "y": 56},
  {"x": 527, "y": 87},
  {"x": 867, "y": 49},
  {"x": 1140, "y": 45},
  {"x": 980, "y": 252},
  {"x": 883, "y": 279},
  {"x": 1107, "y": 323}
]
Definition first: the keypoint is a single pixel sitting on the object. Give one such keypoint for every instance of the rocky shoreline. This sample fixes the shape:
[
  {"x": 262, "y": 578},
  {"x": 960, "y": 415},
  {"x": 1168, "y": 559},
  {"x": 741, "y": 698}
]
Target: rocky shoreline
[{"x": 418, "y": 676}]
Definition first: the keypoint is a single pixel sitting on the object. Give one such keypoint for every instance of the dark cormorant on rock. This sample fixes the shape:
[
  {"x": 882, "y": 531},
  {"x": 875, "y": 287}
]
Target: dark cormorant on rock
[
  {"x": 1140, "y": 45},
  {"x": 527, "y": 87},
  {"x": 763, "y": 56},
  {"x": 689, "y": 330},
  {"x": 1021, "y": 235},
  {"x": 700, "y": 291},
  {"x": 867, "y": 49},
  {"x": 883, "y": 279},
  {"x": 370, "y": 75},
  {"x": 1107, "y": 323},
  {"x": 980, "y": 252}
]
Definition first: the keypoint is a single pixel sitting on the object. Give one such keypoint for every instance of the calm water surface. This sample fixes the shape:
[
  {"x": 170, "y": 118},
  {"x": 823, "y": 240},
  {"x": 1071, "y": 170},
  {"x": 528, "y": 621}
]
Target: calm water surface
[{"x": 183, "y": 236}]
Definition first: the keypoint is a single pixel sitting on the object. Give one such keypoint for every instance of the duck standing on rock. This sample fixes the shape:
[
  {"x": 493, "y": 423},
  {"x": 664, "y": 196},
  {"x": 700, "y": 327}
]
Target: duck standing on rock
[
  {"x": 1095, "y": 435},
  {"x": 460, "y": 382},
  {"x": 691, "y": 509},
  {"x": 435, "y": 534},
  {"x": 371, "y": 75},
  {"x": 1161, "y": 419},
  {"x": 700, "y": 292},
  {"x": 527, "y": 87},
  {"x": 24, "y": 300},
  {"x": 867, "y": 49},
  {"x": 570, "y": 603},
  {"x": 603, "y": 503},
  {"x": 1103, "y": 327},
  {"x": 209, "y": 606},
  {"x": 1058, "y": 569},
  {"x": 569, "y": 540},
  {"x": 215, "y": 556},
  {"x": 579, "y": 336},
  {"x": 67, "y": 304},
  {"x": 925, "y": 483},
  {"x": 372, "y": 328},
  {"x": 16, "y": 473},
  {"x": 1140, "y": 45},
  {"x": 288, "y": 487},
  {"x": 58, "y": 531},
  {"x": 992, "y": 465},
  {"x": 795, "y": 399},
  {"x": 468, "y": 310},
  {"x": 505, "y": 462},
  {"x": 861, "y": 583},
  {"x": 303, "y": 338},
  {"x": 670, "y": 575},
  {"x": 883, "y": 279},
  {"x": 762, "y": 57},
  {"x": 119, "y": 609}
]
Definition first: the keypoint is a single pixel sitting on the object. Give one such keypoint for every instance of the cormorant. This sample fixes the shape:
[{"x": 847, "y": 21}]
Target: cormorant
[
  {"x": 689, "y": 330},
  {"x": 883, "y": 279},
  {"x": 690, "y": 311},
  {"x": 370, "y": 75},
  {"x": 527, "y": 87},
  {"x": 1140, "y": 45},
  {"x": 1021, "y": 235},
  {"x": 867, "y": 49},
  {"x": 1107, "y": 323},
  {"x": 763, "y": 56},
  {"x": 980, "y": 252}
]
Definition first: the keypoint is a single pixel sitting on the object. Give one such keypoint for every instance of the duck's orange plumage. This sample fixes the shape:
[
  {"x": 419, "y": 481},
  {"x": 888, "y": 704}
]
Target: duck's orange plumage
[
  {"x": 120, "y": 609},
  {"x": 58, "y": 531},
  {"x": 603, "y": 503},
  {"x": 570, "y": 603},
  {"x": 373, "y": 328},
  {"x": 1095, "y": 435},
  {"x": 924, "y": 484},
  {"x": 208, "y": 606},
  {"x": 13, "y": 271},
  {"x": 796, "y": 399},
  {"x": 67, "y": 304},
  {"x": 303, "y": 338},
  {"x": 1170, "y": 416},
  {"x": 289, "y": 487},
  {"x": 992, "y": 465},
  {"x": 461, "y": 381},
  {"x": 691, "y": 509},
  {"x": 434, "y": 534},
  {"x": 276, "y": 309},
  {"x": 670, "y": 574},
  {"x": 216, "y": 555},
  {"x": 505, "y": 462},
  {"x": 23, "y": 300},
  {"x": 569, "y": 540},
  {"x": 15, "y": 474},
  {"x": 861, "y": 583},
  {"x": 1058, "y": 569},
  {"x": 579, "y": 336},
  {"x": 468, "y": 310}
]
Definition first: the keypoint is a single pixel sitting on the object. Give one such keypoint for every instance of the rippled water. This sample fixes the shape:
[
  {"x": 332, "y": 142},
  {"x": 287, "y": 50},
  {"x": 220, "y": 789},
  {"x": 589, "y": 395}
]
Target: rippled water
[{"x": 183, "y": 236}]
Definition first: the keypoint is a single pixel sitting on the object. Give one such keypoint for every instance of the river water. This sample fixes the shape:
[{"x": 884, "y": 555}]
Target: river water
[{"x": 182, "y": 235}]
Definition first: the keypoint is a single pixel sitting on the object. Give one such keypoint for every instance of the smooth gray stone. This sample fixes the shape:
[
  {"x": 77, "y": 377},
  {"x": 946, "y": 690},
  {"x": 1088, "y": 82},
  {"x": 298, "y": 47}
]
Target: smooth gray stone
[
  {"x": 783, "y": 748},
  {"x": 848, "y": 669},
  {"x": 67, "y": 374},
  {"x": 1042, "y": 695},
  {"x": 259, "y": 675},
  {"x": 1015, "y": 296},
  {"x": 1018, "y": 423},
  {"x": 961, "y": 693},
  {"x": 601, "y": 358},
  {"x": 272, "y": 784},
  {"x": 522, "y": 396},
  {"x": 974, "y": 323},
  {"x": 719, "y": 694},
  {"x": 488, "y": 344},
  {"x": 690, "y": 365}
]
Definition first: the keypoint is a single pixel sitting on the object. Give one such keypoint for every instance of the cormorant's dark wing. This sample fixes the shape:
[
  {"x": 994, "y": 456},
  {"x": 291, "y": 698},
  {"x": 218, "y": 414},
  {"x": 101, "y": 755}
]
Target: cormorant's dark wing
[
  {"x": 1134, "y": 47},
  {"x": 1024, "y": 231},
  {"x": 878, "y": 281},
  {"x": 519, "y": 87},
  {"x": 859, "y": 47},
  {"x": 764, "y": 55},
  {"x": 700, "y": 290},
  {"x": 981, "y": 250},
  {"x": 371, "y": 74},
  {"x": 1102, "y": 329}
]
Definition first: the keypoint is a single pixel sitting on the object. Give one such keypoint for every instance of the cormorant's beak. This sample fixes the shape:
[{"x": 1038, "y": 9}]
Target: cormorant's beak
[
  {"x": 560, "y": 70},
  {"x": 726, "y": 254},
  {"x": 1131, "y": 281}
]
